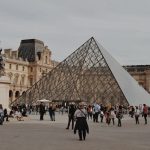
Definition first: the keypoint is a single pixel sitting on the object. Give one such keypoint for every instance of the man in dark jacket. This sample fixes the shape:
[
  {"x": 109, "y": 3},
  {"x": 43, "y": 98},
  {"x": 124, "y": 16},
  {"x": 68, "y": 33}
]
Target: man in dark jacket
[
  {"x": 145, "y": 112},
  {"x": 42, "y": 111},
  {"x": 71, "y": 112},
  {"x": 5, "y": 114}
]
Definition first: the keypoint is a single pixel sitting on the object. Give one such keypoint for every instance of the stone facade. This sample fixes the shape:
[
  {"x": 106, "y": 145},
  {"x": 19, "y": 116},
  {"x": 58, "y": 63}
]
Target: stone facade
[
  {"x": 22, "y": 72},
  {"x": 140, "y": 73}
]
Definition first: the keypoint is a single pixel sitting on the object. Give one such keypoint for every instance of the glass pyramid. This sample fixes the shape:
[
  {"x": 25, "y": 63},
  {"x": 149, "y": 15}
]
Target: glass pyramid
[{"x": 89, "y": 74}]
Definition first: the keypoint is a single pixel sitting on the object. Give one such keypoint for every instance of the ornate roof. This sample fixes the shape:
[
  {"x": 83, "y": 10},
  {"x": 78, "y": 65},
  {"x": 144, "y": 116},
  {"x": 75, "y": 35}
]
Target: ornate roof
[{"x": 29, "y": 48}]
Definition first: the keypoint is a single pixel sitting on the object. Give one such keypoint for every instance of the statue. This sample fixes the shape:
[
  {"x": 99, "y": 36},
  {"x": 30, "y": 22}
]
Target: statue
[
  {"x": 2, "y": 64},
  {"x": 4, "y": 83}
]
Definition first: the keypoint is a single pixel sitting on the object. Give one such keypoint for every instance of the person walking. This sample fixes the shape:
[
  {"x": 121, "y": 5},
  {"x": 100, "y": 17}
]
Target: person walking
[
  {"x": 1, "y": 114},
  {"x": 145, "y": 112},
  {"x": 61, "y": 110},
  {"x": 42, "y": 111},
  {"x": 132, "y": 111},
  {"x": 89, "y": 111},
  {"x": 137, "y": 114},
  {"x": 81, "y": 123},
  {"x": 50, "y": 112},
  {"x": 71, "y": 116},
  {"x": 107, "y": 116},
  {"x": 5, "y": 114},
  {"x": 96, "y": 111},
  {"x": 119, "y": 115},
  {"x": 53, "y": 112},
  {"x": 101, "y": 115},
  {"x": 112, "y": 116}
]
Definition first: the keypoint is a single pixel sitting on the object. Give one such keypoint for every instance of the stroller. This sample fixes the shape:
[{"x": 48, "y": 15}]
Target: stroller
[{"x": 1, "y": 119}]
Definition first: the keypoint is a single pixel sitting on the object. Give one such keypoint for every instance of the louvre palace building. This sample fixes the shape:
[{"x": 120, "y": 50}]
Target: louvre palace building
[
  {"x": 27, "y": 65},
  {"x": 32, "y": 61}
]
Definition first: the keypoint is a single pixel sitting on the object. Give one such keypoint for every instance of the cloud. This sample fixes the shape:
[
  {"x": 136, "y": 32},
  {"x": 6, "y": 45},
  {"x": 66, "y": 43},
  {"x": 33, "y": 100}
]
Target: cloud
[{"x": 122, "y": 27}]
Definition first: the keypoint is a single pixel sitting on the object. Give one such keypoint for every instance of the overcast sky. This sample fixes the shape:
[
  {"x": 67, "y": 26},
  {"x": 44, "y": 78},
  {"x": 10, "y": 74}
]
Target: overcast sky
[{"x": 121, "y": 26}]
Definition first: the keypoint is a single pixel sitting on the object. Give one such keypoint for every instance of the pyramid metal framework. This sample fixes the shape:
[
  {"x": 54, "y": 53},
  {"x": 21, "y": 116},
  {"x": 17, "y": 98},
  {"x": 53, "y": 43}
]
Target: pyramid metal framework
[{"x": 88, "y": 74}]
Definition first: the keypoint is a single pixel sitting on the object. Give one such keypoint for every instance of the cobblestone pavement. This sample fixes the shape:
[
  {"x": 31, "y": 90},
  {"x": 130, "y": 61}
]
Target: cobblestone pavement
[{"x": 32, "y": 134}]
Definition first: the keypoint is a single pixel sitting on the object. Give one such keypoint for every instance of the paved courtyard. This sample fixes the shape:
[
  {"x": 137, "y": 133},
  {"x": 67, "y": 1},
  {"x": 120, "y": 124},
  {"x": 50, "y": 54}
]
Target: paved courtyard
[{"x": 32, "y": 134}]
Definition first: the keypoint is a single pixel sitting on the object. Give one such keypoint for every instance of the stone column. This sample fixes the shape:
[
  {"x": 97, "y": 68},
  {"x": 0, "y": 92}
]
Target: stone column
[{"x": 4, "y": 91}]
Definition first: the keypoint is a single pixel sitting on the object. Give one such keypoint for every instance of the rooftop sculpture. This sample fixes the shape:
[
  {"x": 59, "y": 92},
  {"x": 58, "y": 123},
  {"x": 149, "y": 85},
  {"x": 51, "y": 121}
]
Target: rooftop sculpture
[{"x": 2, "y": 64}]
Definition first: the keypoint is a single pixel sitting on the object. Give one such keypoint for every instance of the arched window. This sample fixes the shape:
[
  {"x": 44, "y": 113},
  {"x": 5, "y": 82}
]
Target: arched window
[
  {"x": 16, "y": 76},
  {"x": 31, "y": 69},
  {"x": 24, "y": 94},
  {"x": 31, "y": 81},
  {"x": 9, "y": 66},
  {"x": 16, "y": 67},
  {"x": 46, "y": 59},
  {"x": 10, "y": 95},
  {"x": 10, "y": 75},
  {"x": 22, "y": 80},
  {"x": 17, "y": 94},
  {"x": 22, "y": 68}
]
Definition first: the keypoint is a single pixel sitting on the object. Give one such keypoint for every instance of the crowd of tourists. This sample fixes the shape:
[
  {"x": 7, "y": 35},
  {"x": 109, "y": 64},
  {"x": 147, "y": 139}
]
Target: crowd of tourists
[
  {"x": 20, "y": 111},
  {"x": 78, "y": 114},
  {"x": 99, "y": 113}
]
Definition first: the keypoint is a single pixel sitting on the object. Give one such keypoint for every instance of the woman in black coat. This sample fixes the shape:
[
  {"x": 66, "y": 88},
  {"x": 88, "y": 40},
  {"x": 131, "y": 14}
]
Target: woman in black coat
[{"x": 81, "y": 123}]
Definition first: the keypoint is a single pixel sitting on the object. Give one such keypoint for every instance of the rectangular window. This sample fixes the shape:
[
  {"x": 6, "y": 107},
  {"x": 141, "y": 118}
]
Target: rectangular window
[
  {"x": 46, "y": 60},
  {"x": 22, "y": 68},
  {"x": 9, "y": 66},
  {"x": 16, "y": 67},
  {"x": 22, "y": 81},
  {"x": 31, "y": 81}
]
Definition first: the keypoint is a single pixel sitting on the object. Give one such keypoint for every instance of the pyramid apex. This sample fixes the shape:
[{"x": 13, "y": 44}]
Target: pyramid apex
[{"x": 92, "y": 37}]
